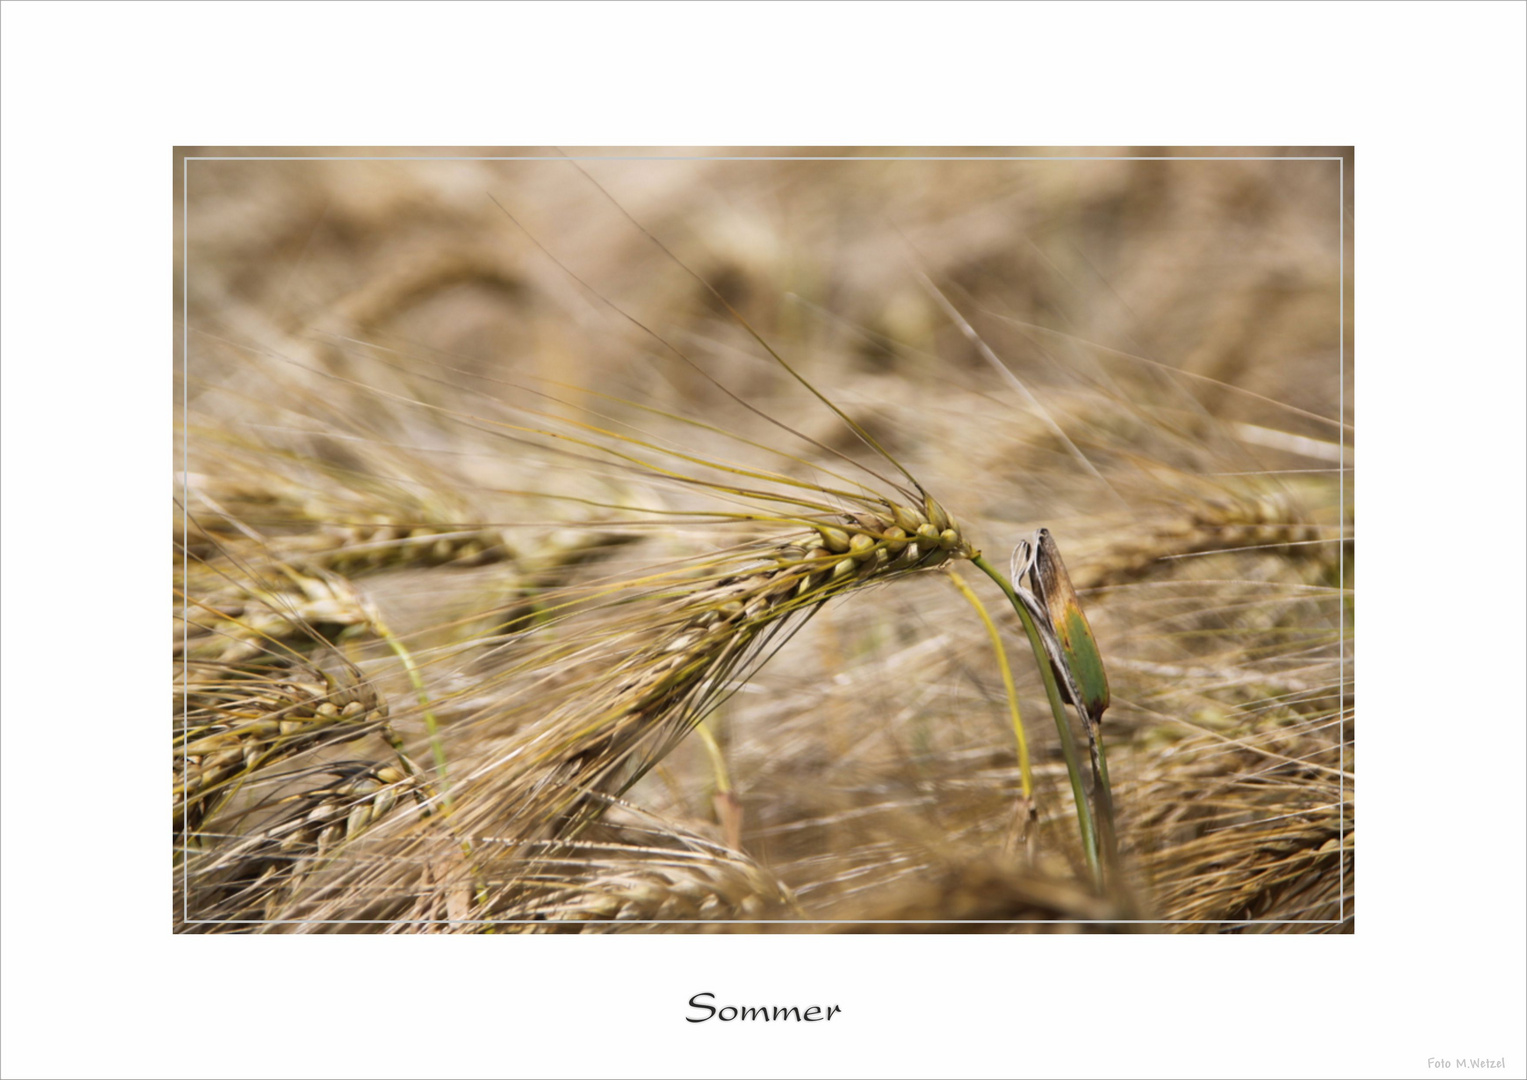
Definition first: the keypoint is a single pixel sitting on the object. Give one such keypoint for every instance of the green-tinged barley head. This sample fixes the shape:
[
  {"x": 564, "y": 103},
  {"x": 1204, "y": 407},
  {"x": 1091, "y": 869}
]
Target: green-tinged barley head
[
  {"x": 1083, "y": 662},
  {"x": 705, "y": 637}
]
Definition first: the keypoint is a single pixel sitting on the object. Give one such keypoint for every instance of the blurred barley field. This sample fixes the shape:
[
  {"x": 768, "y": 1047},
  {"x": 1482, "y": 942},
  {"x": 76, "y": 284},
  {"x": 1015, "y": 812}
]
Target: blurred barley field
[{"x": 460, "y": 441}]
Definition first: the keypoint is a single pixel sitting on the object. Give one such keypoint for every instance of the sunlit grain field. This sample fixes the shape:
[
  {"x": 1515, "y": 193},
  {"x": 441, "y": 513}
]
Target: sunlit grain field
[{"x": 470, "y": 451}]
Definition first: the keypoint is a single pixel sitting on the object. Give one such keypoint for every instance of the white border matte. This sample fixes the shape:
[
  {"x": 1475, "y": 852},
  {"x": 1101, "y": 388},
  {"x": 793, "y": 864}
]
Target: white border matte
[{"x": 94, "y": 97}]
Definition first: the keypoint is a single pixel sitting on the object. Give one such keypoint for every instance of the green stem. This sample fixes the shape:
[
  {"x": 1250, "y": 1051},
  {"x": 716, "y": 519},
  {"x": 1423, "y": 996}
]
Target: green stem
[
  {"x": 1025, "y": 771},
  {"x": 1103, "y": 792},
  {"x": 431, "y": 725},
  {"x": 437, "y": 748},
  {"x": 1062, "y": 725},
  {"x": 717, "y": 758}
]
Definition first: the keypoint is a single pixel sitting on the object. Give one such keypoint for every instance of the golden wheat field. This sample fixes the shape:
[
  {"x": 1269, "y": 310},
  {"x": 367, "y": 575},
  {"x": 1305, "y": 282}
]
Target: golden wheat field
[{"x": 573, "y": 542}]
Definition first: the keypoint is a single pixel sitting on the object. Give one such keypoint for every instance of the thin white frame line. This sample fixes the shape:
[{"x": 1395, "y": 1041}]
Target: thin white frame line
[
  {"x": 1341, "y": 208},
  {"x": 1341, "y": 561},
  {"x": 185, "y": 469},
  {"x": 766, "y": 922},
  {"x": 726, "y": 157}
]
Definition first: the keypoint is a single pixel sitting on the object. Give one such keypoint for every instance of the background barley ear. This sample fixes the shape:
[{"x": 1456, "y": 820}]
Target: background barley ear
[{"x": 237, "y": 722}]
